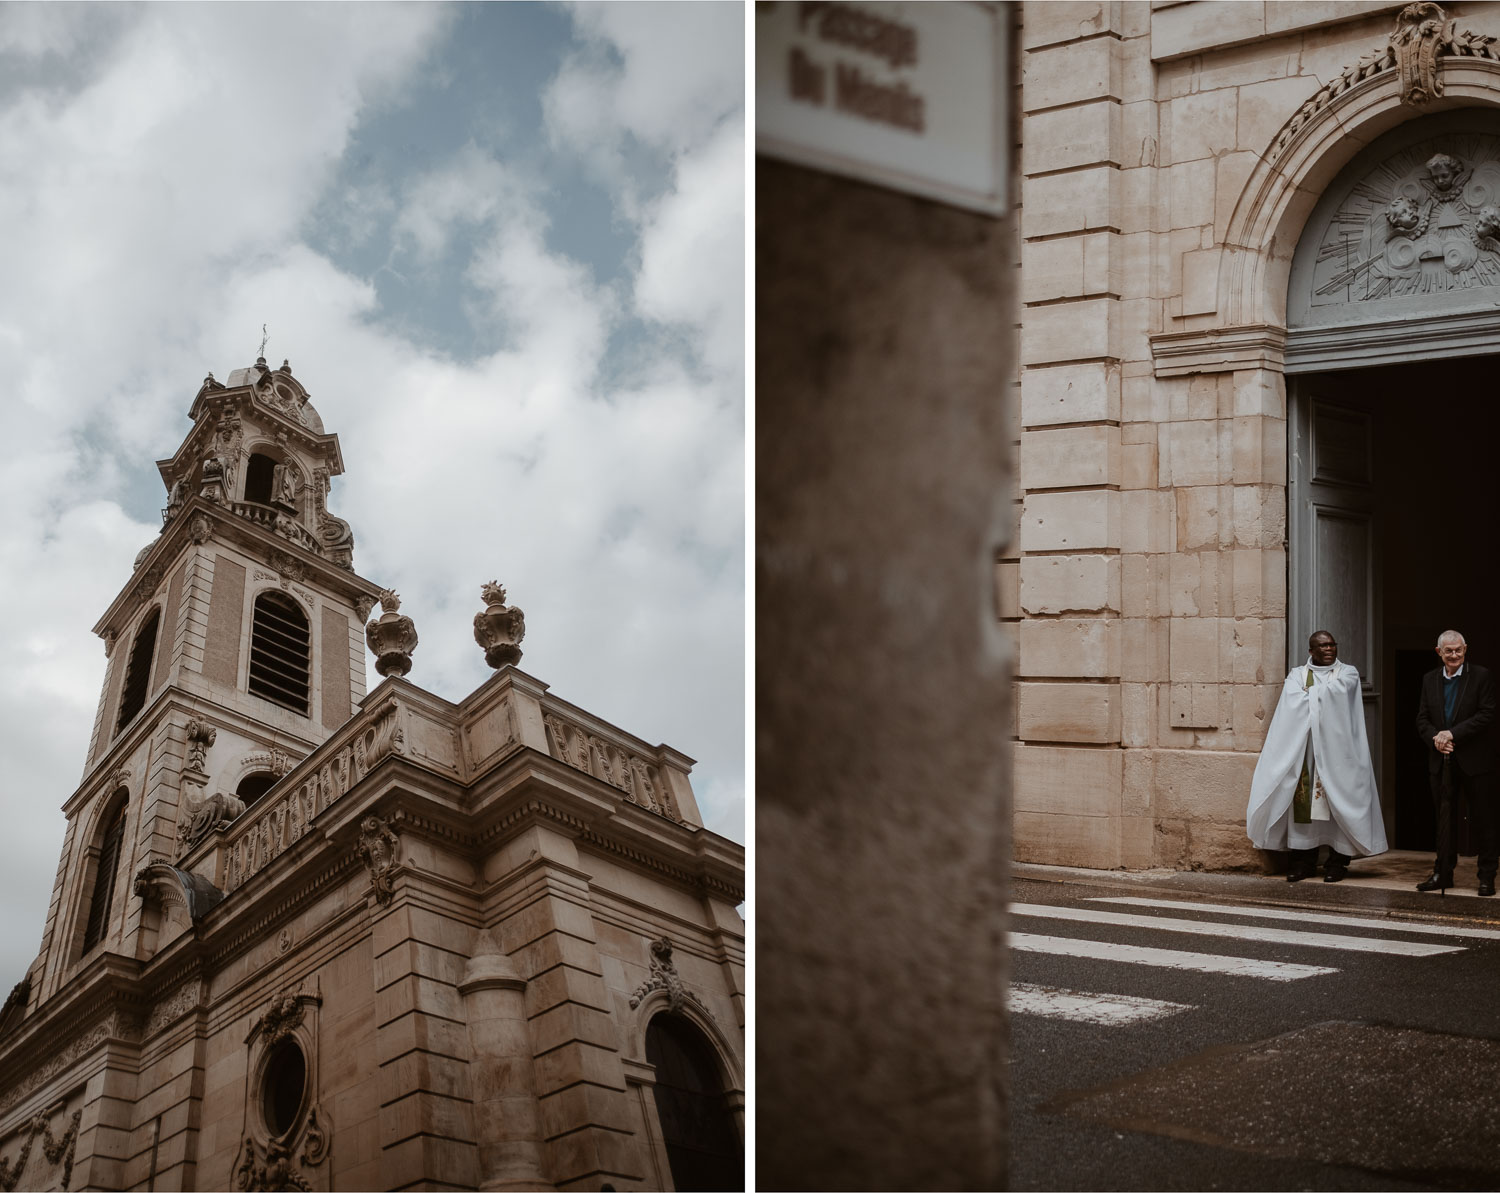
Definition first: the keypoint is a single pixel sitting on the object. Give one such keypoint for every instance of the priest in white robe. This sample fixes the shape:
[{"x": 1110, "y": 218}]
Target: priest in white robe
[{"x": 1314, "y": 784}]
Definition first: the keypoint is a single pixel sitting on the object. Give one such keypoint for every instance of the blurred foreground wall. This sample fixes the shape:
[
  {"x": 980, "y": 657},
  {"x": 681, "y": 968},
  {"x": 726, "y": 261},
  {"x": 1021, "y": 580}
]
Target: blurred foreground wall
[{"x": 885, "y": 359}]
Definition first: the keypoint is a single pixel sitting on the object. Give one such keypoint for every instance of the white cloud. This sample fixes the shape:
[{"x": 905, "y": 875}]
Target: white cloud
[
  {"x": 682, "y": 71},
  {"x": 695, "y": 236}
]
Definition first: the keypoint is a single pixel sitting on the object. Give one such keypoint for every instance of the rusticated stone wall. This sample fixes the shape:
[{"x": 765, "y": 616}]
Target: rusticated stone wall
[{"x": 1149, "y": 587}]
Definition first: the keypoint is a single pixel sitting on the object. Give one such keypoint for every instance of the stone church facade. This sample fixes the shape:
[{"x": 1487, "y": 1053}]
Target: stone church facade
[
  {"x": 1260, "y": 252},
  {"x": 305, "y": 936}
]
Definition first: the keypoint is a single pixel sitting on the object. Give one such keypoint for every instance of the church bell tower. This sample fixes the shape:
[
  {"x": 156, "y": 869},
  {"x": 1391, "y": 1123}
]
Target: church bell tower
[{"x": 235, "y": 648}]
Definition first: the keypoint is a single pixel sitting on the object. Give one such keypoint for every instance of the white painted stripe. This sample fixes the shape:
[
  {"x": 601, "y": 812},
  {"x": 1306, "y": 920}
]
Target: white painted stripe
[
  {"x": 1296, "y": 915},
  {"x": 1321, "y": 940},
  {"x": 1078, "y": 1006},
  {"x": 1132, "y": 954}
]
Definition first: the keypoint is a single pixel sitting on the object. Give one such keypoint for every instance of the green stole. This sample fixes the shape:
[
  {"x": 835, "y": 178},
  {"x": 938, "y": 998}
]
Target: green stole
[{"x": 1302, "y": 801}]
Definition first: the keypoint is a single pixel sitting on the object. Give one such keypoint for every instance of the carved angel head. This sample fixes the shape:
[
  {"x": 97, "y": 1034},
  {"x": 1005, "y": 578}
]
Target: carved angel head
[
  {"x": 1444, "y": 170},
  {"x": 1487, "y": 222},
  {"x": 1403, "y": 213}
]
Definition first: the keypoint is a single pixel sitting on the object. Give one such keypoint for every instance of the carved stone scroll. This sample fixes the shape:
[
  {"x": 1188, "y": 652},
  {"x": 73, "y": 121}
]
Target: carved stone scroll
[{"x": 379, "y": 849}]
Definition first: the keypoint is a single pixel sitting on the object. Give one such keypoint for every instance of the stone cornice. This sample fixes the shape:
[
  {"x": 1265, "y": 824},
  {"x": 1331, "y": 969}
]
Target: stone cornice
[
  {"x": 109, "y": 992},
  {"x": 176, "y": 539},
  {"x": 1218, "y": 350},
  {"x": 1392, "y": 340}
]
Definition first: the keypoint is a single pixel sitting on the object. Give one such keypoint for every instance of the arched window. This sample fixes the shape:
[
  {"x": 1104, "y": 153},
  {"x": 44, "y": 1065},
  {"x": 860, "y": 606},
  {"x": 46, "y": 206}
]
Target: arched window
[
  {"x": 110, "y": 846},
  {"x": 279, "y": 641},
  {"x": 138, "y": 670},
  {"x": 259, "y": 474},
  {"x": 252, "y": 787},
  {"x": 703, "y": 1144}
]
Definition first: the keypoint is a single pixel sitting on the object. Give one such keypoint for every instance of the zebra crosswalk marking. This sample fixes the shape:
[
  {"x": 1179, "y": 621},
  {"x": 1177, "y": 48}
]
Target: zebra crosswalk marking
[
  {"x": 1305, "y": 917},
  {"x": 1103, "y": 950},
  {"x": 1079, "y": 1006},
  {"x": 1322, "y": 940}
]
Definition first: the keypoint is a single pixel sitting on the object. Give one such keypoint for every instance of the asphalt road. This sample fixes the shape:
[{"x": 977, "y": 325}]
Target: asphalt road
[{"x": 1371, "y": 1071}]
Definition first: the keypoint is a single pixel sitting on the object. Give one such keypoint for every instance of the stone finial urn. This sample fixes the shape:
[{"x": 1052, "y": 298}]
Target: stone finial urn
[
  {"x": 391, "y": 636},
  {"x": 500, "y": 628}
]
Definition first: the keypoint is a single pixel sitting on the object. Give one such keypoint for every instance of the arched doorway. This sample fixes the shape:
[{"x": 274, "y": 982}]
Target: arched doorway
[
  {"x": 1393, "y": 331},
  {"x": 703, "y": 1145}
]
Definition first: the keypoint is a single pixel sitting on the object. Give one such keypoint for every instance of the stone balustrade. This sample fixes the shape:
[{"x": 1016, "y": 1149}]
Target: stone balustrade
[
  {"x": 612, "y": 759},
  {"x": 278, "y": 523},
  {"x": 283, "y": 815}
]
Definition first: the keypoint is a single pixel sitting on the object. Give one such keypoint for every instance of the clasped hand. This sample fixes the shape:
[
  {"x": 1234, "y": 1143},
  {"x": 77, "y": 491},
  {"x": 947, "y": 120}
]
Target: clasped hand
[{"x": 1443, "y": 742}]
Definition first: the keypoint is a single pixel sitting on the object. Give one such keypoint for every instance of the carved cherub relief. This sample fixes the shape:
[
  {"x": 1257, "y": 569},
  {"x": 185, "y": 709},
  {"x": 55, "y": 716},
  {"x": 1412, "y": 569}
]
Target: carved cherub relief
[{"x": 1421, "y": 223}]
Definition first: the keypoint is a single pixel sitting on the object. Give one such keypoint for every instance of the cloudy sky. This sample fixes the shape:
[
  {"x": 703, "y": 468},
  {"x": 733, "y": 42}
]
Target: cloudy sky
[{"x": 502, "y": 246}]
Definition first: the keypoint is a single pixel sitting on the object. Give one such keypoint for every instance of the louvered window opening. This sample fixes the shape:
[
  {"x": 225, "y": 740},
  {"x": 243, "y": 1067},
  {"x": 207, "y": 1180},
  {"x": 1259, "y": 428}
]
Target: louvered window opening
[
  {"x": 279, "y": 653},
  {"x": 104, "y": 881},
  {"x": 138, "y": 672}
]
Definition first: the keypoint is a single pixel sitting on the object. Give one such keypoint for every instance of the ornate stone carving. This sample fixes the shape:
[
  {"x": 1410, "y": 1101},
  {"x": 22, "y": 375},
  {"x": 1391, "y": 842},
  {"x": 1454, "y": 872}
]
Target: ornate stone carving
[
  {"x": 1423, "y": 36},
  {"x": 392, "y": 637},
  {"x": 271, "y": 1167},
  {"x": 363, "y": 605},
  {"x": 176, "y": 495},
  {"x": 664, "y": 977},
  {"x": 57, "y": 1149},
  {"x": 202, "y": 818},
  {"x": 213, "y": 483},
  {"x": 379, "y": 848},
  {"x": 116, "y": 1026},
  {"x": 266, "y": 1162},
  {"x": 500, "y": 628},
  {"x": 109, "y": 643},
  {"x": 284, "y": 1013},
  {"x": 200, "y": 736},
  {"x": 640, "y": 781},
  {"x": 169, "y": 885},
  {"x": 199, "y": 529},
  {"x": 280, "y": 820},
  {"x": 289, "y": 567},
  {"x": 1421, "y": 223},
  {"x": 169, "y": 1010}
]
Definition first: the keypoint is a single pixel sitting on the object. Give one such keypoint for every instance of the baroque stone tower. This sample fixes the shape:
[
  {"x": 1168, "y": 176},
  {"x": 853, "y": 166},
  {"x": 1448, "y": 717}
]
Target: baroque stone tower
[{"x": 378, "y": 941}]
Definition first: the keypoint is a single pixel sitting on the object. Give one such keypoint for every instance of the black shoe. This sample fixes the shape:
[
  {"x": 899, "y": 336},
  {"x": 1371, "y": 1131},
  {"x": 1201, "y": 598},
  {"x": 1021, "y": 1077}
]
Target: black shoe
[
  {"x": 1487, "y": 885},
  {"x": 1335, "y": 873},
  {"x": 1298, "y": 873},
  {"x": 1437, "y": 882}
]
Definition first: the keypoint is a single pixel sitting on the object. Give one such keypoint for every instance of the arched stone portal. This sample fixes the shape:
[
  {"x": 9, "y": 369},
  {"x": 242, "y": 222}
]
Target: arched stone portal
[
  {"x": 1393, "y": 326},
  {"x": 1182, "y": 419}
]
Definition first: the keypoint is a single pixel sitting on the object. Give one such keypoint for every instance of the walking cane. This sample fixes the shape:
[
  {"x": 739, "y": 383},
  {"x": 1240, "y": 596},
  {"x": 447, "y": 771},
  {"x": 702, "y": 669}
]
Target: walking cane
[{"x": 1445, "y": 815}]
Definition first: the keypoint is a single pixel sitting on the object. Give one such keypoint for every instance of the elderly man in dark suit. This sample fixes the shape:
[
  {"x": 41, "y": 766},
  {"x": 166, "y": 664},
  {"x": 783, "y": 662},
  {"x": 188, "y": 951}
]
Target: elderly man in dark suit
[{"x": 1455, "y": 718}]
